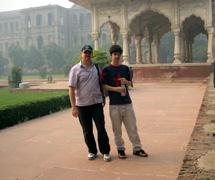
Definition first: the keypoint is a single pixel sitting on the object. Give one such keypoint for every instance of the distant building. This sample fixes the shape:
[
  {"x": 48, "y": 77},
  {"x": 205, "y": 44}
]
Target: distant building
[{"x": 38, "y": 26}]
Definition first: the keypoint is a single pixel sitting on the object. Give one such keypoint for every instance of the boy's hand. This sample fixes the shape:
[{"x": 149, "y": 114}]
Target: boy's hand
[
  {"x": 120, "y": 89},
  {"x": 123, "y": 80}
]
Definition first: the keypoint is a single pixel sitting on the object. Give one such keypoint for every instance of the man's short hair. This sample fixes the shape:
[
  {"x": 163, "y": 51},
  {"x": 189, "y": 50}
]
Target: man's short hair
[{"x": 115, "y": 49}]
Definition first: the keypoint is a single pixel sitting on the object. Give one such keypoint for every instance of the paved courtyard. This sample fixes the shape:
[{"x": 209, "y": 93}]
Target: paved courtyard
[{"x": 52, "y": 147}]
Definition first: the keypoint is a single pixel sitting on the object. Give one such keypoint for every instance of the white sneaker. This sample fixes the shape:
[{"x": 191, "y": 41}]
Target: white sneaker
[
  {"x": 91, "y": 156},
  {"x": 107, "y": 157}
]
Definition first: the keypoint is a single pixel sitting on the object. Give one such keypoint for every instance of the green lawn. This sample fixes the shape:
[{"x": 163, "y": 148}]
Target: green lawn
[{"x": 7, "y": 98}]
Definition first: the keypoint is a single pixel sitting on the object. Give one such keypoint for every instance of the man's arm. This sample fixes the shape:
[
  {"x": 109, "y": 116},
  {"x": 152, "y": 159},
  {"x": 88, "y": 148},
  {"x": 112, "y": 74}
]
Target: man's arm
[{"x": 72, "y": 101}]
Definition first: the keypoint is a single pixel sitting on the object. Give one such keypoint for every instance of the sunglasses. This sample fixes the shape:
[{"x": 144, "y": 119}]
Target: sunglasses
[{"x": 87, "y": 52}]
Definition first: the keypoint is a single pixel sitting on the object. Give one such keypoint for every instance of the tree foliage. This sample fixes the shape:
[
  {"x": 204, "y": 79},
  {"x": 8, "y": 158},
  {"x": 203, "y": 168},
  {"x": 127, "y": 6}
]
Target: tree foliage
[
  {"x": 200, "y": 48},
  {"x": 16, "y": 76},
  {"x": 43, "y": 72},
  {"x": 3, "y": 63},
  {"x": 16, "y": 55},
  {"x": 33, "y": 58},
  {"x": 99, "y": 57},
  {"x": 54, "y": 55},
  {"x": 166, "y": 49}
]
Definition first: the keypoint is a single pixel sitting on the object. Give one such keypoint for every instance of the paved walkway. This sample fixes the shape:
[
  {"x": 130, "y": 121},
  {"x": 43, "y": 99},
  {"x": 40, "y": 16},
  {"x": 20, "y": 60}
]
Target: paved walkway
[{"x": 52, "y": 147}]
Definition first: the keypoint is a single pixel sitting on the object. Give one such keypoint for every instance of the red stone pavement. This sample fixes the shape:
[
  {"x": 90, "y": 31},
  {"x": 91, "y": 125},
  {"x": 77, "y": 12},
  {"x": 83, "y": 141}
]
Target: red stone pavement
[{"x": 53, "y": 148}]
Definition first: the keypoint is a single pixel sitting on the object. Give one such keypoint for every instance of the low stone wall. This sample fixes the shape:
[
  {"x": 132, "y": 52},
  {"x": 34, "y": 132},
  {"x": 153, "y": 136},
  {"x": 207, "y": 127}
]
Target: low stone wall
[{"x": 171, "y": 72}]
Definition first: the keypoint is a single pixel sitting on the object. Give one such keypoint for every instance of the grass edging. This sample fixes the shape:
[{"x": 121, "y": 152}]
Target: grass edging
[{"x": 16, "y": 114}]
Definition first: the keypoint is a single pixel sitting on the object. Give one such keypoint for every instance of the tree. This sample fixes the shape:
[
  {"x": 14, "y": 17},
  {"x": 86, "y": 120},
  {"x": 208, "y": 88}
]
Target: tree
[
  {"x": 16, "y": 77},
  {"x": 73, "y": 54},
  {"x": 54, "y": 55},
  {"x": 66, "y": 69},
  {"x": 3, "y": 63},
  {"x": 16, "y": 55},
  {"x": 43, "y": 72},
  {"x": 33, "y": 58},
  {"x": 200, "y": 48},
  {"x": 99, "y": 57},
  {"x": 166, "y": 49}
]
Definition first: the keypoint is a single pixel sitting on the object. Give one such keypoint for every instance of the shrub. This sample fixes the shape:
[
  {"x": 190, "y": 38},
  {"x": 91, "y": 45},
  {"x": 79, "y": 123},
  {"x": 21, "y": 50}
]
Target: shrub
[
  {"x": 43, "y": 72},
  {"x": 15, "y": 78},
  {"x": 12, "y": 115}
]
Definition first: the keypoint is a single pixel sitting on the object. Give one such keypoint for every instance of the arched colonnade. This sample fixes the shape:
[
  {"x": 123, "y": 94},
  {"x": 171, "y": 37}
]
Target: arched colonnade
[{"x": 151, "y": 19}]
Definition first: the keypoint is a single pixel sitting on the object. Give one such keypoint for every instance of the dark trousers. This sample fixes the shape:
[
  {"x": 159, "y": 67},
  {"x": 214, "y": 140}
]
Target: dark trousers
[{"x": 86, "y": 116}]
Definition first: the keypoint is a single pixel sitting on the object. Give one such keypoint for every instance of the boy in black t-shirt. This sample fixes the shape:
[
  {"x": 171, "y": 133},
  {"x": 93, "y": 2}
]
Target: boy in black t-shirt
[{"x": 114, "y": 77}]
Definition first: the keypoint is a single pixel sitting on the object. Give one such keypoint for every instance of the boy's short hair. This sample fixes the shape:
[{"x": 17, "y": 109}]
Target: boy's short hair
[{"x": 115, "y": 49}]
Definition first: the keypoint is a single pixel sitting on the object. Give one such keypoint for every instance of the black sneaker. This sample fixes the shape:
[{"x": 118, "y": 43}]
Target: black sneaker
[{"x": 121, "y": 154}]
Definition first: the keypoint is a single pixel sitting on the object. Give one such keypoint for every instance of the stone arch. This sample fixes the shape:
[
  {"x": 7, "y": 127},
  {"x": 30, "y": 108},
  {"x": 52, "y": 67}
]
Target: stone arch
[
  {"x": 135, "y": 15},
  {"x": 114, "y": 30},
  {"x": 193, "y": 26},
  {"x": 112, "y": 24},
  {"x": 153, "y": 19},
  {"x": 151, "y": 26}
]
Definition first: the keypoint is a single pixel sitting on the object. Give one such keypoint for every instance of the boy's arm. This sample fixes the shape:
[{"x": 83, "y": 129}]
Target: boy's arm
[
  {"x": 124, "y": 81},
  {"x": 116, "y": 89}
]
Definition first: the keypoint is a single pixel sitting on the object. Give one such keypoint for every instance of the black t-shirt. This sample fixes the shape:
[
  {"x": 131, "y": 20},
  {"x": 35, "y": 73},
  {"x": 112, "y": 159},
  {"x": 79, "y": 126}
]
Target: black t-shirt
[{"x": 110, "y": 76}]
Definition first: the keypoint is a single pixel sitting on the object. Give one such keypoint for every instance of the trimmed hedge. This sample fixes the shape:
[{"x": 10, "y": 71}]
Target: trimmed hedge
[{"x": 13, "y": 115}]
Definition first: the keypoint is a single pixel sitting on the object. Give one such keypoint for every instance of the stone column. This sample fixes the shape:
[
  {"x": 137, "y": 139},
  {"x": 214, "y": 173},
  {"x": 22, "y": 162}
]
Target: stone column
[
  {"x": 149, "y": 58},
  {"x": 96, "y": 36},
  {"x": 156, "y": 43},
  {"x": 177, "y": 47},
  {"x": 138, "y": 49},
  {"x": 125, "y": 34},
  {"x": 125, "y": 48},
  {"x": 186, "y": 51},
  {"x": 182, "y": 48},
  {"x": 190, "y": 44},
  {"x": 210, "y": 44},
  {"x": 148, "y": 36}
]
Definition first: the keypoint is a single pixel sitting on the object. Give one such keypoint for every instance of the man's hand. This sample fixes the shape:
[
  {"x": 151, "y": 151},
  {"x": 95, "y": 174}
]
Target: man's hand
[{"x": 75, "y": 112}]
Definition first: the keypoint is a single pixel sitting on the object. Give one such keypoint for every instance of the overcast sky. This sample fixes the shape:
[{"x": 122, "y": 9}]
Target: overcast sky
[{"x": 9, "y": 5}]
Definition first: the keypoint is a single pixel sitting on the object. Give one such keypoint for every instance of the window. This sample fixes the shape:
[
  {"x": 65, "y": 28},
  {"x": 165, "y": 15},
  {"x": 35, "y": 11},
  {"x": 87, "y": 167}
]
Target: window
[
  {"x": 49, "y": 19},
  {"x": 39, "y": 20},
  {"x": 28, "y": 21},
  {"x": 11, "y": 26}
]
